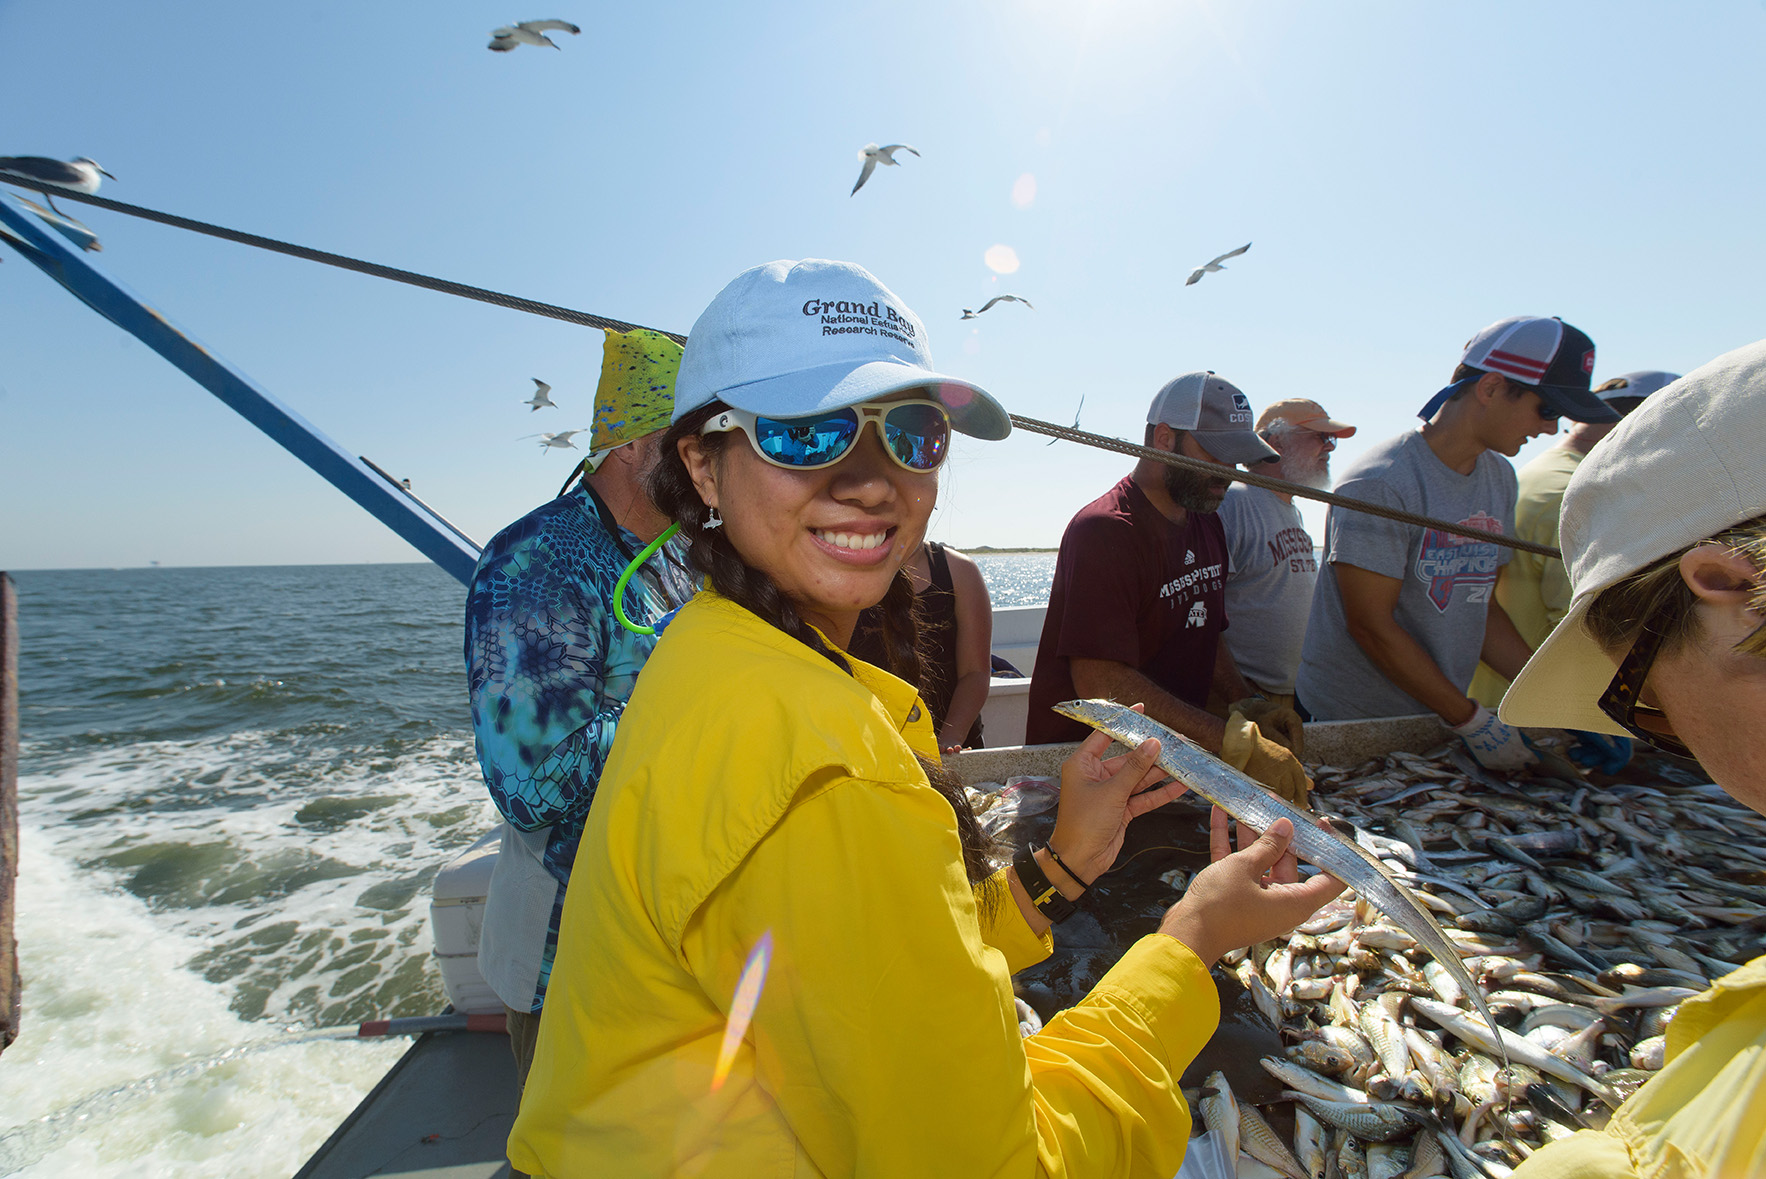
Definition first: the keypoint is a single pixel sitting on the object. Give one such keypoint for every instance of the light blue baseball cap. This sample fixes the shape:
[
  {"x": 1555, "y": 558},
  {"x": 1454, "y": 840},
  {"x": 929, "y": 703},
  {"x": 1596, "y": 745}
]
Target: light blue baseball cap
[{"x": 790, "y": 339}]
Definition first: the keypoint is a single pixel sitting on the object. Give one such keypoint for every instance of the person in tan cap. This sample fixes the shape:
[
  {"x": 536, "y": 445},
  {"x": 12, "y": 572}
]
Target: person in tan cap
[
  {"x": 1271, "y": 566},
  {"x": 1664, "y": 534}
]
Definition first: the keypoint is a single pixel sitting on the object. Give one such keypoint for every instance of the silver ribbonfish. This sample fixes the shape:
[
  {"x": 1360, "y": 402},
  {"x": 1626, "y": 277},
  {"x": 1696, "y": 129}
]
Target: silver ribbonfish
[{"x": 1245, "y": 800}]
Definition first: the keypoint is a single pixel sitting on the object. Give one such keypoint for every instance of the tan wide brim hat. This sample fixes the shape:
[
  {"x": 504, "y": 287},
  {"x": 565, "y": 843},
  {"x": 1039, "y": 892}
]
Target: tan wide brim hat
[
  {"x": 1309, "y": 414},
  {"x": 1687, "y": 464}
]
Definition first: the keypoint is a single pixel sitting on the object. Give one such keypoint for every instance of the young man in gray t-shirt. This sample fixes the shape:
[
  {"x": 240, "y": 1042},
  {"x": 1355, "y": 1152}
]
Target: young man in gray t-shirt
[{"x": 1402, "y": 614}]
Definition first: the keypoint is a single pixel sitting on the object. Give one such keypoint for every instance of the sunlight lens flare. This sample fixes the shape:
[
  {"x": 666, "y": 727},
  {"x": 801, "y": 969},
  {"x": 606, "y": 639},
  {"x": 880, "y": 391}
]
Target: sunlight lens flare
[
  {"x": 742, "y": 1007},
  {"x": 1001, "y": 259},
  {"x": 1024, "y": 191}
]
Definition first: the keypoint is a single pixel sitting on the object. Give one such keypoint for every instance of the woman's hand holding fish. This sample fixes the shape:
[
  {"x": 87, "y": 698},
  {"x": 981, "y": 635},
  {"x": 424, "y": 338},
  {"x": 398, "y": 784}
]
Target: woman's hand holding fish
[
  {"x": 1247, "y": 896},
  {"x": 1100, "y": 797}
]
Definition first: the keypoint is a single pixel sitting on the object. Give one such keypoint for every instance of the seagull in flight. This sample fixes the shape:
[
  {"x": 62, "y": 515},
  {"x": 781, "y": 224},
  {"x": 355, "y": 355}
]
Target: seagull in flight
[
  {"x": 80, "y": 173},
  {"x": 539, "y": 400},
  {"x": 967, "y": 314},
  {"x": 561, "y": 439},
  {"x": 1076, "y": 414},
  {"x": 529, "y": 32},
  {"x": 872, "y": 155},
  {"x": 1211, "y": 266}
]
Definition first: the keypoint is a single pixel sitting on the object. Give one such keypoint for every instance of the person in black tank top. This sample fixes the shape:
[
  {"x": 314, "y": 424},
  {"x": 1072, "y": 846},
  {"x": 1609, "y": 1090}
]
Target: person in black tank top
[{"x": 955, "y": 614}]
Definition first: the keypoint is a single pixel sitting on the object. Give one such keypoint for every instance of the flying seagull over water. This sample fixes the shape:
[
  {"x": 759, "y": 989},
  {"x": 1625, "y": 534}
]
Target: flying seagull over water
[
  {"x": 872, "y": 155},
  {"x": 80, "y": 173},
  {"x": 1076, "y": 414},
  {"x": 1212, "y": 266},
  {"x": 967, "y": 314},
  {"x": 539, "y": 400},
  {"x": 529, "y": 32},
  {"x": 561, "y": 439}
]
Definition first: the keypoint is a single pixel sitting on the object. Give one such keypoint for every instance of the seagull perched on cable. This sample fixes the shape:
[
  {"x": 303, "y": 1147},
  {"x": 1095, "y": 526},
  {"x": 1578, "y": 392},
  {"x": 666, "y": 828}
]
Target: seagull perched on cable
[
  {"x": 561, "y": 439},
  {"x": 1211, "y": 266},
  {"x": 967, "y": 314},
  {"x": 80, "y": 173},
  {"x": 529, "y": 32},
  {"x": 872, "y": 155},
  {"x": 1076, "y": 414},
  {"x": 539, "y": 400}
]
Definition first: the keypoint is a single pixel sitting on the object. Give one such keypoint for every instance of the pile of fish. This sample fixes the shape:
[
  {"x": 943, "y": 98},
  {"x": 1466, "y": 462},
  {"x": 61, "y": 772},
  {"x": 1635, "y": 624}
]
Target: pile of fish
[{"x": 1585, "y": 913}]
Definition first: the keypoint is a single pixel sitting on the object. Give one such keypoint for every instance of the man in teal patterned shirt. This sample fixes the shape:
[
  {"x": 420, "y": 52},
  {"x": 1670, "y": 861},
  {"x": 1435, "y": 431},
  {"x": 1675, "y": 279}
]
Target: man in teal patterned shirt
[{"x": 549, "y": 668}]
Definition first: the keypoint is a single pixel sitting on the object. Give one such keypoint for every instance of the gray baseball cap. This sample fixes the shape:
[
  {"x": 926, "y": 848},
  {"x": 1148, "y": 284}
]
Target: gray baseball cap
[
  {"x": 1216, "y": 413},
  {"x": 1626, "y": 391}
]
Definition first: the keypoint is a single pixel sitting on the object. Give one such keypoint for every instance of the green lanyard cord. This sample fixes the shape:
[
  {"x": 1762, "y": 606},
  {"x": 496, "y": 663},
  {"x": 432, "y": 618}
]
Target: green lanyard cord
[{"x": 619, "y": 586}]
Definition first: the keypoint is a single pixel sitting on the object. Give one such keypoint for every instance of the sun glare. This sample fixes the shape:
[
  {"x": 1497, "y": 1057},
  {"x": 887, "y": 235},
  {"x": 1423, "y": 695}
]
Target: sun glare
[
  {"x": 748, "y": 988},
  {"x": 1001, "y": 259}
]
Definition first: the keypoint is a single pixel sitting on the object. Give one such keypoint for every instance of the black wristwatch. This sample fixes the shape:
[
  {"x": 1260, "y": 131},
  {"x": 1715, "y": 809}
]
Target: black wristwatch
[{"x": 1043, "y": 894}]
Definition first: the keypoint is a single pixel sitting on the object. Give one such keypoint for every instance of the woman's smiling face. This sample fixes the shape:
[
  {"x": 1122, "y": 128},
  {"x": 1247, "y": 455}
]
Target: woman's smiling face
[{"x": 832, "y": 538}]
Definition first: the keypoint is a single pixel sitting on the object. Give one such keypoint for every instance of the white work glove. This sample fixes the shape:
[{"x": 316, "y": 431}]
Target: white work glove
[{"x": 1496, "y": 746}]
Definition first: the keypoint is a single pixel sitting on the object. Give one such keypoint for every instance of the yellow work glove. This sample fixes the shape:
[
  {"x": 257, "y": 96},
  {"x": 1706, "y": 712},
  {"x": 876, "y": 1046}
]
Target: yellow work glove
[
  {"x": 1244, "y": 747},
  {"x": 1275, "y": 721}
]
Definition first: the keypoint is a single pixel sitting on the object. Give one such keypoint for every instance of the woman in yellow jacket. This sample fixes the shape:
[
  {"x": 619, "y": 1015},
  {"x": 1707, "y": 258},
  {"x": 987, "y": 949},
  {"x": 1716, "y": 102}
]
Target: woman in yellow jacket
[
  {"x": 770, "y": 799},
  {"x": 1664, "y": 532}
]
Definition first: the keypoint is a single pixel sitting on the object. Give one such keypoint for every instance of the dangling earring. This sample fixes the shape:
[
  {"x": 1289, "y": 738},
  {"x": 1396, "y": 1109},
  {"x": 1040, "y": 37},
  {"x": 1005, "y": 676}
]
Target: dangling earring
[{"x": 712, "y": 521}]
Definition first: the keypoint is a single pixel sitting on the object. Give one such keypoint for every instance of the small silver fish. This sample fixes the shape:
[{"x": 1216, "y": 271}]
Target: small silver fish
[
  {"x": 1245, "y": 800},
  {"x": 1387, "y": 1160},
  {"x": 1258, "y": 1140},
  {"x": 1649, "y": 1054},
  {"x": 1220, "y": 1112},
  {"x": 1306, "y": 1081},
  {"x": 1375, "y": 1123},
  {"x": 1309, "y": 1142}
]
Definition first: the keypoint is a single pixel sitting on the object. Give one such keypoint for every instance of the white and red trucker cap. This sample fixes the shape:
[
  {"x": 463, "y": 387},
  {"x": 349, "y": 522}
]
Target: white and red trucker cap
[{"x": 1545, "y": 354}]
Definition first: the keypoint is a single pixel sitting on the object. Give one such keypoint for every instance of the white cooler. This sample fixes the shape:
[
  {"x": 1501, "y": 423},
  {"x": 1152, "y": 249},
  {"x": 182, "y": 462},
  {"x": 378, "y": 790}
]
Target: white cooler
[{"x": 456, "y": 914}]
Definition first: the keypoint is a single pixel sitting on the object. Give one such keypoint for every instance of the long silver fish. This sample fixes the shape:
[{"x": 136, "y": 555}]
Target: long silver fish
[{"x": 1245, "y": 800}]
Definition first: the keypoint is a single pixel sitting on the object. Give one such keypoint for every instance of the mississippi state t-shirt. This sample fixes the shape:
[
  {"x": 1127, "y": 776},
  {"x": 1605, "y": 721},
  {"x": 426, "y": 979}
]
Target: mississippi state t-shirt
[{"x": 1132, "y": 587}]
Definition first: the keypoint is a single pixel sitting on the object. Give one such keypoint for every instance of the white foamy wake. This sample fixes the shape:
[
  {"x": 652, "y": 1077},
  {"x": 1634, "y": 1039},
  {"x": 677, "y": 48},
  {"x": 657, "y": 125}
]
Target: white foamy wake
[
  {"x": 107, "y": 1001},
  {"x": 179, "y": 900},
  {"x": 301, "y": 875}
]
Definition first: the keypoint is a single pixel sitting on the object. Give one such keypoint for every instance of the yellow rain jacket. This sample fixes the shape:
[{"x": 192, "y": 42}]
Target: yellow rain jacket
[
  {"x": 755, "y": 788},
  {"x": 1703, "y": 1116}
]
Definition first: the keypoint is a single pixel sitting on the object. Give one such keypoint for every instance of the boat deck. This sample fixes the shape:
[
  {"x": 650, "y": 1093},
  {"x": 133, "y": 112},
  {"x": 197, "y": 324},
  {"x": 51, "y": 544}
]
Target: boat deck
[{"x": 442, "y": 1112}]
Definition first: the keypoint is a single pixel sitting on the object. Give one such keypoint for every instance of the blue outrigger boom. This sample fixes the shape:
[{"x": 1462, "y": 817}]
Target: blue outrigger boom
[{"x": 389, "y": 503}]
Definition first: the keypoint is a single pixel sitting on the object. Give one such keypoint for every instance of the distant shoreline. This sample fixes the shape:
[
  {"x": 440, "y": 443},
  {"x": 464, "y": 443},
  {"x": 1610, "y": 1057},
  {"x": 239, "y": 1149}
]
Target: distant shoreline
[{"x": 988, "y": 551}]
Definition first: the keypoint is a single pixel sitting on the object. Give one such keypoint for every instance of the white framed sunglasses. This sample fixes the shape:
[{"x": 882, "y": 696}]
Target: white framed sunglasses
[{"x": 915, "y": 433}]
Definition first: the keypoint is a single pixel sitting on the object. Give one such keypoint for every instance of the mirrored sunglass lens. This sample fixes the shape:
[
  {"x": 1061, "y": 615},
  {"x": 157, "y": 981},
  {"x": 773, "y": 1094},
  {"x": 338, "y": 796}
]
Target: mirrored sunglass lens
[
  {"x": 806, "y": 442},
  {"x": 918, "y": 435}
]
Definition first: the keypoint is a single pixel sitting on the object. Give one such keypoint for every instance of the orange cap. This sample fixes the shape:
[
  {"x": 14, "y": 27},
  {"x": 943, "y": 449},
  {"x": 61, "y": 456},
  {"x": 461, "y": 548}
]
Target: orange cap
[{"x": 1309, "y": 414}]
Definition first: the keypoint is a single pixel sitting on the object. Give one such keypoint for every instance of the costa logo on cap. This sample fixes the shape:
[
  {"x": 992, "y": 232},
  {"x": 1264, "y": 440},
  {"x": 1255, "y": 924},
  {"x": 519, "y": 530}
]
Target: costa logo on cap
[
  {"x": 1240, "y": 401},
  {"x": 1588, "y": 361}
]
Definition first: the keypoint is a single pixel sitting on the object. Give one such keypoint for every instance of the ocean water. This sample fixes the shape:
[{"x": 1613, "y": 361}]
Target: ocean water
[{"x": 235, "y": 788}]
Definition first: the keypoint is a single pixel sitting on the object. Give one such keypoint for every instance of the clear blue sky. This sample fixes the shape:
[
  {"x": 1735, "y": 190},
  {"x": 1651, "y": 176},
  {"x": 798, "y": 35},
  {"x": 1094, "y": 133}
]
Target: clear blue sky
[{"x": 1408, "y": 172}]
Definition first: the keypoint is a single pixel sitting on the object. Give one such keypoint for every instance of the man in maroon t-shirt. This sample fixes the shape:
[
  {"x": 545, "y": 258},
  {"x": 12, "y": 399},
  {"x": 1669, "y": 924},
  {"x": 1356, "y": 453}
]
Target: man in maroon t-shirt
[{"x": 1139, "y": 597}]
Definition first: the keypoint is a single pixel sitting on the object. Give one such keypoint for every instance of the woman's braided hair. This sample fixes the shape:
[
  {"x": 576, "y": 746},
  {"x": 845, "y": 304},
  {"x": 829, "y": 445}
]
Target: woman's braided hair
[{"x": 712, "y": 553}]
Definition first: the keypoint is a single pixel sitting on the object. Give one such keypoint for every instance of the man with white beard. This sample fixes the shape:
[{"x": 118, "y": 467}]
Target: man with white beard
[{"x": 1271, "y": 564}]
